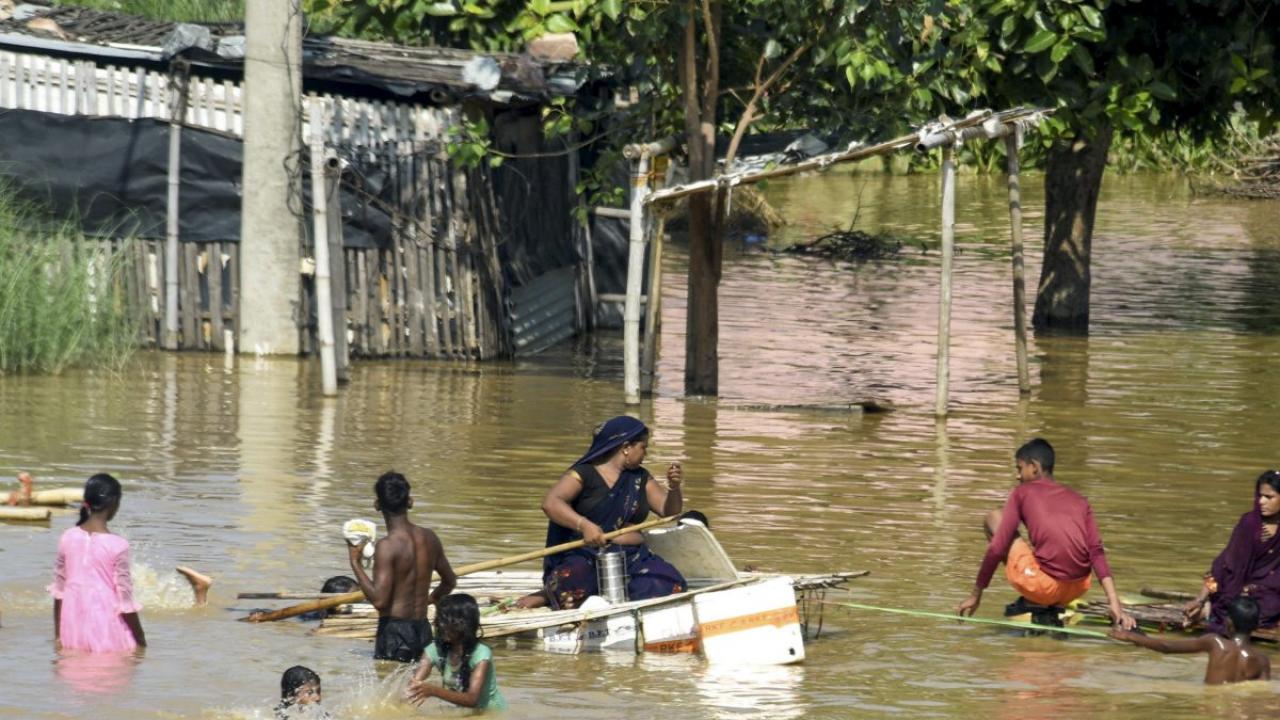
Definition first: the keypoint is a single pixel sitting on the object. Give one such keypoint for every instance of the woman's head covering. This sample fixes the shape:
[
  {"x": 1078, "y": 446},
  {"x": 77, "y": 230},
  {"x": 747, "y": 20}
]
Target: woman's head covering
[{"x": 611, "y": 435}]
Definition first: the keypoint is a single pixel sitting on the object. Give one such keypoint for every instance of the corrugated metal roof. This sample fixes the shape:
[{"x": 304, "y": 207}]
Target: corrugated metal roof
[{"x": 435, "y": 74}]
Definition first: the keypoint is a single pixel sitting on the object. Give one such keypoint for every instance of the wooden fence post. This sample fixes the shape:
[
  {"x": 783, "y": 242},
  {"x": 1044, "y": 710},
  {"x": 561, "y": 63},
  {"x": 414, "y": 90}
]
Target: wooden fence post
[
  {"x": 1019, "y": 273},
  {"x": 948, "y": 256}
]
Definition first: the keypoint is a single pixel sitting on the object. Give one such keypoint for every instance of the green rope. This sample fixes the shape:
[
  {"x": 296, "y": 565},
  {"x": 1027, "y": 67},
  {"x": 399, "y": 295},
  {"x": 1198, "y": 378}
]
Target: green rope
[{"x": 983, "y": 621}]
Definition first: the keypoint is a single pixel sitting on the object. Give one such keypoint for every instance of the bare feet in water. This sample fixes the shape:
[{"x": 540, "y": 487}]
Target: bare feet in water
[{"x": 200, "y": 584}]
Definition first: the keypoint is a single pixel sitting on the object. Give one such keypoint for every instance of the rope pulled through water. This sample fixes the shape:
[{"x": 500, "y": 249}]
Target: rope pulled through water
[{"x": 981, "y": 621}]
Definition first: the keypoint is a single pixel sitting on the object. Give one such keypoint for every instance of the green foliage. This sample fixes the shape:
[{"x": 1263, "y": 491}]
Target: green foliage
[
  {"x": 60, "y": 303},
  {"x": 1143, "y": 67},
  {"x": 201, "y": 11},
  {"x": 471, "y": 144}
]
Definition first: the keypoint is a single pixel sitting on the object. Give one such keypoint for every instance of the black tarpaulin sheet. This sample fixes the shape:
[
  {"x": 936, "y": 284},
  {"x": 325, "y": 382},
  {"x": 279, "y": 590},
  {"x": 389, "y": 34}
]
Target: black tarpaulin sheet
[{"x": 112, "y": 174}]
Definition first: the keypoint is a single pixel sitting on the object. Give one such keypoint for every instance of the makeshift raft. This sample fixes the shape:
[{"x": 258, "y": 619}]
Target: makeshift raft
[
  {"x": 1164, "y": 614},
  {"x": 726, "y": 615}
]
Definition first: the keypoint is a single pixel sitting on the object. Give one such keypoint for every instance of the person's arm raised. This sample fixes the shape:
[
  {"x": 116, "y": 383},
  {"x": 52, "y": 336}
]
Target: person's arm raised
[
  {"x": 377, "y": 589},
  {"x": 669, "y": 501},
  {"x": 558, "y": 506}
]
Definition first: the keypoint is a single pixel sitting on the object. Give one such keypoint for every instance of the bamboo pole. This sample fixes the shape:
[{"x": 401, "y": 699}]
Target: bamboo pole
[
  {"x": 58, "y": 496},
  {"x": 358, "y": 595},
  {"x": 177, "y": 109},
  {"x": 635, "y": 277},
  {"x": 652, "y": 313},
  {"x": 25, "y": 514},
  {"x": 320, "y": 248},
  {"x": 1019, "y": 272},
  {"x": 944, "y": 295},
  {"x": 968, "y": 127},
  {"x": 1167, "y": 595}
]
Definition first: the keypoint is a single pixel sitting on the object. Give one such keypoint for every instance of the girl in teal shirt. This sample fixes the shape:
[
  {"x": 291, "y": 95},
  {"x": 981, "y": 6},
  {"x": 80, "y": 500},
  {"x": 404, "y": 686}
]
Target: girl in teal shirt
[{"x": 465, "y": 663}]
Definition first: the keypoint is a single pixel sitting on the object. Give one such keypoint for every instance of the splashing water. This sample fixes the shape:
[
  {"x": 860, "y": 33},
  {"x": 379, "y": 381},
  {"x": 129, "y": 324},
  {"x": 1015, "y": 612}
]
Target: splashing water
[{"x": 160, "y": 590}]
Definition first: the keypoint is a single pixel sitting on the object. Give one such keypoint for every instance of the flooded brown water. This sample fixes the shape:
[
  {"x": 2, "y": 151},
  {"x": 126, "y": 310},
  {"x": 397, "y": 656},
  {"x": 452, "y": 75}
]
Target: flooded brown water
[{"x": 1163, "y": 418}]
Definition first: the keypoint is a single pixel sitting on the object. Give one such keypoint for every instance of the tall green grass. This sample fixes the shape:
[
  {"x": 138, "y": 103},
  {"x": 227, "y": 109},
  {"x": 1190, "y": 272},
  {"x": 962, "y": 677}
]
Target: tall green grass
[
  {"x": 61, "y": 296},
  {"x": 199, "y": 11}
]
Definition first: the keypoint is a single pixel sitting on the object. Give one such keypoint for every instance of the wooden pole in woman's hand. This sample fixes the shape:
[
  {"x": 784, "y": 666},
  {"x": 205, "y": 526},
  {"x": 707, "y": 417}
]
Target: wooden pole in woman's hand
[{"x": 358, "y": 595}]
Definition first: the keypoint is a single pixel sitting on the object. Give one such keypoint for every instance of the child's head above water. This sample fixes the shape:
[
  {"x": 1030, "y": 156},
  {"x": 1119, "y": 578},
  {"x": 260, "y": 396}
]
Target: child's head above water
[
  {"x": 101, "y": 493},
  {"x": 458, "y": 619},
  {"x": 1243, "y": 612},
  {"x": 299, "y": 686},
  {"x": 339, "y": 584},
  {"x": 458, "y": 626},
  {"x": 392, "y": 490}
]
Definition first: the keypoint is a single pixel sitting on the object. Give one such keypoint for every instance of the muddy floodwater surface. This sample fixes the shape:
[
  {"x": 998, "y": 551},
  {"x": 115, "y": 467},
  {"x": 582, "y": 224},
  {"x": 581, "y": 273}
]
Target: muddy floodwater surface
[{"x": 1162, "y": 417}]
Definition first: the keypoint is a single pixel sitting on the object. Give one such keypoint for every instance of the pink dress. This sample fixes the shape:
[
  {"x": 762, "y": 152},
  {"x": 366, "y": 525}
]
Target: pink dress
[{"x": 91, "y": 578}]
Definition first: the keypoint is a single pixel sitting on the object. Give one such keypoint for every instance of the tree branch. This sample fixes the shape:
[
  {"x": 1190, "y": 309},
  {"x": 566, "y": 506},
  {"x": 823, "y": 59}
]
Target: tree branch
[{"x": 760, "y": 92}]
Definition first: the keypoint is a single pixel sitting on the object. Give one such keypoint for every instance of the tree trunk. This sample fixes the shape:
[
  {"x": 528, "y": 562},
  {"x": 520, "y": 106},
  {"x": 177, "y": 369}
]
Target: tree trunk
[
  {"x": 702, "y": 329},
  {"x": 702, "y": 324},
  {"x": 1073, "y": 177}
]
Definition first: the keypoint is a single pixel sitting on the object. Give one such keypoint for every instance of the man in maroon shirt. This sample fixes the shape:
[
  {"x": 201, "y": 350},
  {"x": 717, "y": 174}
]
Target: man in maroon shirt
[{"x": 1051, "y": 567}]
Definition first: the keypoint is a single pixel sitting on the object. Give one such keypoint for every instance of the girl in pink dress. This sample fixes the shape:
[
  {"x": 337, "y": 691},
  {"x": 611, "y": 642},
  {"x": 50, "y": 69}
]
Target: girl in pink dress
[{"x": 93, "y": 606}]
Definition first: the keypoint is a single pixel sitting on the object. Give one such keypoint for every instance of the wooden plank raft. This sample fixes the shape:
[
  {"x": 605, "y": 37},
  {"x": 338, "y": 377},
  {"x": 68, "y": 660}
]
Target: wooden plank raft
[
  {"x": 1165, "y": 614},
  {"x": 361, "y": 622}
]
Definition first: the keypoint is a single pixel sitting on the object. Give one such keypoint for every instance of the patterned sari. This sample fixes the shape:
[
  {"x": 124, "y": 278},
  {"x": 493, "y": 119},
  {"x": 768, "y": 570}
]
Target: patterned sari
[{"x": 570, "y": 577}]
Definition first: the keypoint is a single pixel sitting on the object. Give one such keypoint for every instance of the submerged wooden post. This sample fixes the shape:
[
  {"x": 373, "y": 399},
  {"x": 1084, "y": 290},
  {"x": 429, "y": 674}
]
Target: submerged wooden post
[
  {"x": 635, "y": 278},
  {"x": 944, "y": 295},
  {"x": 338, "y": 265},
  {"x": 1019, "y": 273},
  {"x": 177, "y": 111},
  {"x": 320, "y": 246}
]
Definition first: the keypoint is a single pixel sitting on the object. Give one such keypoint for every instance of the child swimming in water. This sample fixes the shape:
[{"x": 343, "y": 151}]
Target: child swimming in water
[
  {"x": 1232, "y": 658},
  {"x": 465, "y": 663},
  {"x": 300, "y": 695}
]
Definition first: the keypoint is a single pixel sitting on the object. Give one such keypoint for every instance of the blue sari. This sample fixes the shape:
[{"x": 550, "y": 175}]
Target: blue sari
[{"x": 570, "y": 577}]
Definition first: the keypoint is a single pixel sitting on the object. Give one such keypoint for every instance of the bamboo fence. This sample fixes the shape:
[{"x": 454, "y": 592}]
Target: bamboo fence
[{"x": 434, "y": 290}]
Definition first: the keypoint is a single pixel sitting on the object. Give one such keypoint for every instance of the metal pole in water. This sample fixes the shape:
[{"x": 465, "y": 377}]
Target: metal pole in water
[
  {"x": 635, "y": 278},
  {"x": 948, "y": 255},
  {"x": 1019, "y": 273}
]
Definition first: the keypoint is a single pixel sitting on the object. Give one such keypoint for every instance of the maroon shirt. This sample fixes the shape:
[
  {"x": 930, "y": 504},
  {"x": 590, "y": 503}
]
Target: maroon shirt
[{"x": 1061, "y": 528}]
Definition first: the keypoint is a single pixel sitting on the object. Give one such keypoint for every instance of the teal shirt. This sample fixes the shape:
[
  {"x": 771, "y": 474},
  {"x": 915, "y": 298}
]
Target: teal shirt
[{"x": 490, "y": 697}]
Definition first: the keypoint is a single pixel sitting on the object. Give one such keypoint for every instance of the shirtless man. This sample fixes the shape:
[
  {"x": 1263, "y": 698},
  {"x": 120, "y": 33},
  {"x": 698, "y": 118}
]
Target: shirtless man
[
  {"x": 403, "y": 563},
  {"x": 1232, "y": 658}
]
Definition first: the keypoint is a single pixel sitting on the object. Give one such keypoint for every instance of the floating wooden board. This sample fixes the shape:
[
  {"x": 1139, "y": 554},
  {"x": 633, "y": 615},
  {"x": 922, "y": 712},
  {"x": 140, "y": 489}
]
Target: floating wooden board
[{"x": 1164, "y": 616}]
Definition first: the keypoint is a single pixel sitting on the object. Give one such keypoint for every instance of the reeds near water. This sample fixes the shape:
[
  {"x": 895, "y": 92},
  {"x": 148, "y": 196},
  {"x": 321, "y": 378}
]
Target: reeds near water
[{"x": 61, "y": 298}]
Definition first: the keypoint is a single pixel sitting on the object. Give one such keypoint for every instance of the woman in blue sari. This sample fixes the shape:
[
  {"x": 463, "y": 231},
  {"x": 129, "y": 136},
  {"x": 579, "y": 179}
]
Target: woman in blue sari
[{"x": 608, "y": 489}]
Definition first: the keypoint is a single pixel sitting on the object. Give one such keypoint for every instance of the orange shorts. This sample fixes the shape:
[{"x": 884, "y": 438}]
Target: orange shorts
[{"x": 1024, "y": 574}]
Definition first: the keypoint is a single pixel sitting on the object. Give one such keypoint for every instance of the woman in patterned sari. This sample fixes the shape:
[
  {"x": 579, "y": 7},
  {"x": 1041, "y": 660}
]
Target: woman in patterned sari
[
  {"x": 606, "y": 490},
  {"x": 1249, "y": 563}
]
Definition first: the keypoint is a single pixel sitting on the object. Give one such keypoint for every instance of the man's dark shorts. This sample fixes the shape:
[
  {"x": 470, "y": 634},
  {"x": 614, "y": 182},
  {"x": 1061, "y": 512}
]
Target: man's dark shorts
[{"x": 401, "y": 640}]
